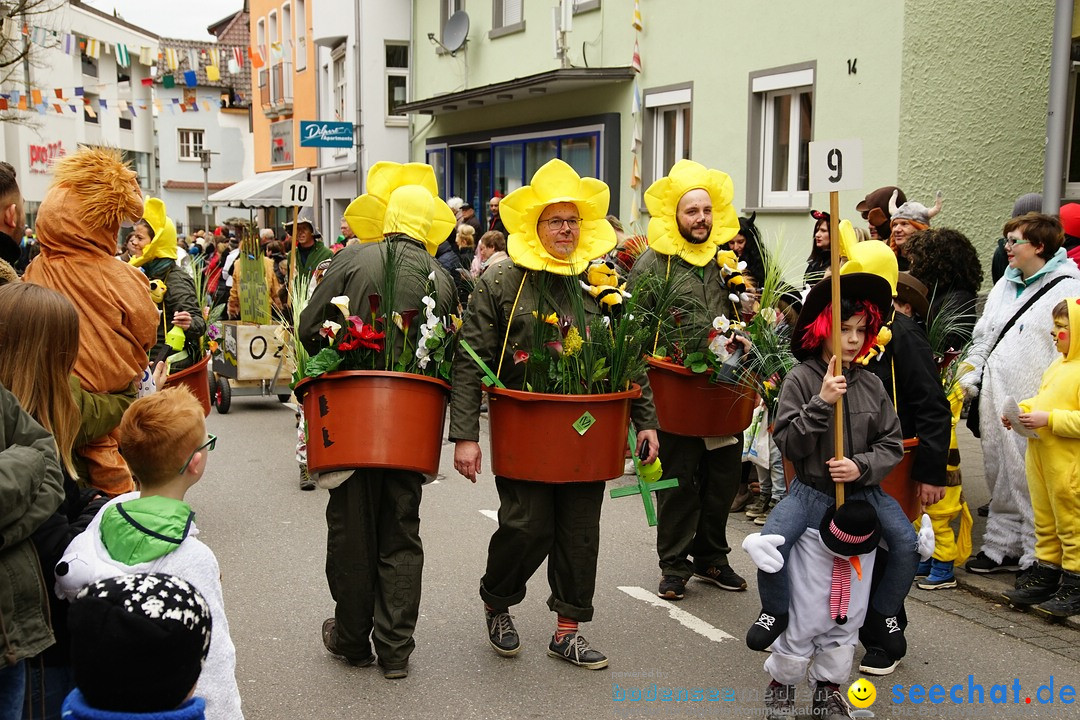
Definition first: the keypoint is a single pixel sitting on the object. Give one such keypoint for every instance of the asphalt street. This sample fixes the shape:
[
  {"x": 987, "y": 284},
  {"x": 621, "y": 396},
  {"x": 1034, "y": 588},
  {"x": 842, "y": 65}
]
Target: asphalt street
[{"x": 270, "y": 539}]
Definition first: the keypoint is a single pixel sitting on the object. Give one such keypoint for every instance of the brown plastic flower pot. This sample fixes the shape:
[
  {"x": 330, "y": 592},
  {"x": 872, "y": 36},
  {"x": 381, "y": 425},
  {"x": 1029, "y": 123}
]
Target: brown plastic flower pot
[
  {"x": 533, "y": 435},
  {"x": 373, "y": 419},
  {"x": 897, "y": 483},
  {"x": 687, "y": 403},
  {"x": 196, "y": 379}
]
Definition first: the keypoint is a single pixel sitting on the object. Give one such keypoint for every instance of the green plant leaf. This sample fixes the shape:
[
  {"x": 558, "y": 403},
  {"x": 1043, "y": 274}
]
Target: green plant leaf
[{"x": 327, "y": 360}]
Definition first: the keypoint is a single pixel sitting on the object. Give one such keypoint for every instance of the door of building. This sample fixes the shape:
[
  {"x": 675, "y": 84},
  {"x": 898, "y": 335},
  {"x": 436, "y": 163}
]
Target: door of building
[{"x": 470, "y": 178}]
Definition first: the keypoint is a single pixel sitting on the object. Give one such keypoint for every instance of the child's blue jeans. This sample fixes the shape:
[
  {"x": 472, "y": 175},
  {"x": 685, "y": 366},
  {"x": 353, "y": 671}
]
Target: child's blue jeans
[{"x": 804, "y": 507}]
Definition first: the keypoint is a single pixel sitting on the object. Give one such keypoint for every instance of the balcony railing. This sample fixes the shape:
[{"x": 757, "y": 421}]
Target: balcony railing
[
  {"x": 281, "y": 86},
  {"x": 264, "y": 89}
]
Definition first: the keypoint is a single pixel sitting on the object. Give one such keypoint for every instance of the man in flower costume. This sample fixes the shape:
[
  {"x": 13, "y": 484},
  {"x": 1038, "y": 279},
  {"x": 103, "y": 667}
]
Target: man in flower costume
[
  {"x": 557, "y": 226},
  {"x": 692, "y": 217},
  {"x": 93, "y": 192},
  {"x": 374, "y": 556}
]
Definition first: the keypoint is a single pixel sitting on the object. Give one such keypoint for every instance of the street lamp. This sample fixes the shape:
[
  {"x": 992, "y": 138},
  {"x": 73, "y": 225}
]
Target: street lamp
[{"x": 204, "y": 162}]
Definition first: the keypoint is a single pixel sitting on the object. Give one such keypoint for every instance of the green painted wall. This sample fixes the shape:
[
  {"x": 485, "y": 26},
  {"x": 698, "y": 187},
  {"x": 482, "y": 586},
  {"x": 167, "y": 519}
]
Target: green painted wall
[{"x": 973, "y": 109}]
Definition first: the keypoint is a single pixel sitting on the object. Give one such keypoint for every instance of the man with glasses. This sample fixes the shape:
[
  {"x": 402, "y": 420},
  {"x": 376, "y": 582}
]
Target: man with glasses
[
  {"x": 557, "y": 226},
  {"x": 163, "y": 439}
]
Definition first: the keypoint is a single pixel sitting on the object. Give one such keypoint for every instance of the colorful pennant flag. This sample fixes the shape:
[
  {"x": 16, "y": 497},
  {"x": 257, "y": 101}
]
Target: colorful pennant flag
[
  {"x": 212, "y": 73},
  {"x": 637, "y": 17},
  {"x": 147, "y": 82},
  {"x": 275, "y": 52},
  {"x": 238, "y": 55},
  {"x": 103, "y": 104},
  {"x": 93, "y": 48},
  {"x": 79, "y": 92},
  {"x": 234, "y": 67},
  {"x": 256, "y": 58},
  {"x": 35, "y": 96},
  {"x": 635, "y": 61},
  {"x": 68, "y": 44},
  {"x": 168, "y": 81},
  {"x": 193, "y": 59},
  {"x": 40, "y": 36},
  {"x": 3, "y": 103},
  {"x": 123, "y": 59},
  {"x": 190, "y": 78},
  {"x": 171, "y": 61},
  {"x": 144, "y": 55}
]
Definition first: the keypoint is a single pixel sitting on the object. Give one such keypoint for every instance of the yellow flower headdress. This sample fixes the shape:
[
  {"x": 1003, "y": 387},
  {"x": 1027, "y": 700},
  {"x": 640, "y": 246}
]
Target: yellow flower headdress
[
  {"x": 401, "y": 199},
  {"x": 557, "y": 182},
  {"x": 164, "y": 243},
  {"x": 870, "y": 256},
  {"x": 662, "y": 200}
]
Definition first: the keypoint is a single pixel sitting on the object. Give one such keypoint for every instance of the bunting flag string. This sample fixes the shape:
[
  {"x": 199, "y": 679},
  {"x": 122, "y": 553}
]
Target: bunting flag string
[{"x": 123, "y": 59}]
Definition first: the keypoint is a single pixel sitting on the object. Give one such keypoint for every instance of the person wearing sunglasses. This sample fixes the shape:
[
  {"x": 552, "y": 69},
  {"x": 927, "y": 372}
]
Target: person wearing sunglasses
[{"x": 163, "y": 439}]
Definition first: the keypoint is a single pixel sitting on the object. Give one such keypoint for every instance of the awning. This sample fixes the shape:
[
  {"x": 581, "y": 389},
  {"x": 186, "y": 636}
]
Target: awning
[
  {"x": 550, "y": 82},
  {"x": 263, "y": 190}
]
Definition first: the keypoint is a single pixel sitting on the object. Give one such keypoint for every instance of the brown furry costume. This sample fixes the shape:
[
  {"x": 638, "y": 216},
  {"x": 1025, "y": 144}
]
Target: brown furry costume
[{"x": 93, "y": 192}]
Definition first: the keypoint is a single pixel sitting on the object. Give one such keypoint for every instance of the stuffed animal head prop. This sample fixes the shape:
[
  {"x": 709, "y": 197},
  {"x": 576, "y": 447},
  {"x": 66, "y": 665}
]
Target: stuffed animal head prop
[{"x": 602, "y": 282}]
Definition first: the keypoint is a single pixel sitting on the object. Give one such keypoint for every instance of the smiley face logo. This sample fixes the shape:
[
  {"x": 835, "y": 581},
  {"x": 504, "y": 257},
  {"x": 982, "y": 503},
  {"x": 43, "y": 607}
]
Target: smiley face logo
[{"x": 862, "y": 693}]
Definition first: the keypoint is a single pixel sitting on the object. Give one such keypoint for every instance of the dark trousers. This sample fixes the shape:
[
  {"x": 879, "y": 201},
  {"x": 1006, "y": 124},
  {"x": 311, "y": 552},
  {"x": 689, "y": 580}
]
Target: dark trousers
[
  {"x": 557, "y": 521},
  {"x": 692, "y": 518},
  {"x": 374, "y": 562}
]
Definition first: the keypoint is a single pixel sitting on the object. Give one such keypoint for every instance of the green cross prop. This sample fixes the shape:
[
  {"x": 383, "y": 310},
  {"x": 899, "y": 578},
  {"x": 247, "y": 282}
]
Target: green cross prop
[{"x": 643, "y": 488}]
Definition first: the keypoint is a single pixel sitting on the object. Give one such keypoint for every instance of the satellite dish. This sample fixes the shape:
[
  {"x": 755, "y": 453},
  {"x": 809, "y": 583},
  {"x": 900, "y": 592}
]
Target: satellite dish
[{"x": 456, "y": 31}]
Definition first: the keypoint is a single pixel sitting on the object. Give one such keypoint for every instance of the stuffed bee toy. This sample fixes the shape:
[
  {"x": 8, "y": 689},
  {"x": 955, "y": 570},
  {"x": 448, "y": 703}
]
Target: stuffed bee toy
[
  {"x": 731, "y": 270},
  {"x": 877, "y": 350},
  {"x": 602, "y": 282}
]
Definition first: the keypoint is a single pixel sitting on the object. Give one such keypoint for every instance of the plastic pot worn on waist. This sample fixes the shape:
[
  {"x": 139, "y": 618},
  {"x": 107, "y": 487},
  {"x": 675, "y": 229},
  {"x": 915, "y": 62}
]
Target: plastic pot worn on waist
[
  {"x": 373, "y": 419},
  {"x": 687, "y": 403},
  {"x": 559, "y": 438},
  {"x": 196, "y": 379}
]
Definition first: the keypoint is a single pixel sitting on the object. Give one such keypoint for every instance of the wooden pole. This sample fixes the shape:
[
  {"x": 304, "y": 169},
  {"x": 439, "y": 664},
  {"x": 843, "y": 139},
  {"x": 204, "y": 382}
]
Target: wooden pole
[
  {"x": 837, "y": 346},
  {"x": 292, "y": 253}
]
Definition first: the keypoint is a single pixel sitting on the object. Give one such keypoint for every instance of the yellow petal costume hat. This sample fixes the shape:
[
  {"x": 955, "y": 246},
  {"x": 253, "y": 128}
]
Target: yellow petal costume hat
[
  {"x": 163, "y": 245},
  {"x": 870, "y": 256},
  {"x": 557, "y": 182},
  {"x": 401, "y": 199},
  {"x": 662, "y": 200}
]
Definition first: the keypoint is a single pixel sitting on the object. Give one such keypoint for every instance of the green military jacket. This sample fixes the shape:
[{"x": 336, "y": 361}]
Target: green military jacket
[
  {"x": 31, "y": 489},
  {"x": 699, "y": 294},
  {"x": 357, "y": 271},
  {"x": 491, "y": 311}
]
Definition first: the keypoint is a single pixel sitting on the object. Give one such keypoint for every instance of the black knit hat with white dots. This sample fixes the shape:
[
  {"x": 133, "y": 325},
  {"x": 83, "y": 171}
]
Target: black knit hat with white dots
[{"x": 138, "y": 642}]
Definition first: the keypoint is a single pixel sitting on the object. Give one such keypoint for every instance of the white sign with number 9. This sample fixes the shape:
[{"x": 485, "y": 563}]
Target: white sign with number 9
[
  {"x": 297, "y": 194},
  {"x": 835, "y": 165}
]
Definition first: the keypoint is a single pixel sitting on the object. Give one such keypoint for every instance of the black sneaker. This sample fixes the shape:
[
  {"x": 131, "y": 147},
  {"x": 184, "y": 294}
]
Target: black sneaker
[
  {"x": 1066, "y": 600},
  {"x": 779, "y": 701},
  {"x": 765, "y": 630},
  {"x": 399, "y": 672},
  {"x": 306, "y": 482},
  {"x": 885, "y": 633},
  {"x": 575, "y": 649},
  {"x": 981, "y": 563},
  {"x": 829, "y": 704},
  {"x": 672, "y": 587},
  {"x": 722, "y": 576},
  {"x": 1037, "y": 585},
  {"x": 330, "y": 642},
  {"x": 877, "y": 662},
  {"x": 502, "y": 634}
]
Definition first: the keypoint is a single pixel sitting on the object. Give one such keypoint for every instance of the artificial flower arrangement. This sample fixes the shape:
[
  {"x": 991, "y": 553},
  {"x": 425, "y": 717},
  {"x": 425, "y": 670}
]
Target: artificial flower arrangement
[{"x": 358, "y": 343}]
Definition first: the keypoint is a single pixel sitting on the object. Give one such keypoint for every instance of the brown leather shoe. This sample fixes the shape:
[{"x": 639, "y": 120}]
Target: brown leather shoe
[{"x": 330, "y": 639}]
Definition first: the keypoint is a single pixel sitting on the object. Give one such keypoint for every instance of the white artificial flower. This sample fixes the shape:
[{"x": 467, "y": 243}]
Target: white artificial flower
[
  {"x": 429, "y": 302},
  {"x": 770, "y": 315},
  {"x": 398, "y": 321},
  {"x": 341, "y": 302},
  {"x": 718, "y": 347},
  {"x": 431, "y": 276},
  {"x": 330, "y": 329},
  {"x": 721, "y": 324}
]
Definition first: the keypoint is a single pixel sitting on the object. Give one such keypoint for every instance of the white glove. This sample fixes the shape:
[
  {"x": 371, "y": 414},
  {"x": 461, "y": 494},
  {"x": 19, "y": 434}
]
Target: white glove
[
  {"x": 925, "y": 543},
  {"x": 763, "y": 551}
]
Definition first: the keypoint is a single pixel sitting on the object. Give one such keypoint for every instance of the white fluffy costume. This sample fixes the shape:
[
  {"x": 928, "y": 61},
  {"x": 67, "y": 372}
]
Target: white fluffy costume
[{"x": 1013, "y": 369}]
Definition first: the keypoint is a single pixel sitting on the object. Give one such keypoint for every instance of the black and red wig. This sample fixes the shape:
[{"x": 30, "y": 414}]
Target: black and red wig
[{"x": 818, "y": 332}]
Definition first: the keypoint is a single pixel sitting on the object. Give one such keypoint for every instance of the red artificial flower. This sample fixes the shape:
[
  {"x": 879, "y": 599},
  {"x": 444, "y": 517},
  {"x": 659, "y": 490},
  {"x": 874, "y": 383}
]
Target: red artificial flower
[
  {"x": 520, "y": 356},
  {"x": 555, "y": 347},
  {"x": 373, "y": 301},
  {"x": 407, "y": 316},
  {"x": 565, "y": 323},
  {"x": 370, "y": 338}
]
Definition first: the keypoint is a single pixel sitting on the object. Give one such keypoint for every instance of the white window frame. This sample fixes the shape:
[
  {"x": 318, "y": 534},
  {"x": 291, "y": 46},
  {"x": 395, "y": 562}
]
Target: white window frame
[
  {"x": 339, "y": 82},
  {"x": 189, "y": 144},
  {"x": 286, "y": 32},
  {"x": 507, "y": 16},
  {"x": 659, "y": 101},
  {"x": 399, "y": 73},
  {"x": 260, "y": 39},
  {"x": 300, "y": 23},
  {"x": 273, "y": 35},
  {"x": 766, "y": 89}
]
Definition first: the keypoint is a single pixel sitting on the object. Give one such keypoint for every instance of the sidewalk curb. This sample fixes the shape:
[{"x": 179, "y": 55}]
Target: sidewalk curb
[{"x": 990, "y": 587}]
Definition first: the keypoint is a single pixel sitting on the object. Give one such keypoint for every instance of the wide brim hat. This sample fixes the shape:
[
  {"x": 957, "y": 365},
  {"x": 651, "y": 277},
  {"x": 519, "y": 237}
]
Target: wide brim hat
[
  {"x": 163, "y": 245},
  {"x": 851, "y": 530},
  {"x": 557, "y": 182},
  {"x": 662, "y": 199},
  {"x": 401, "y": 198},
  {"x": 860, "y": 286},
  {"x": 910, "y": 290},
  {"x": 302, "y": 218}
]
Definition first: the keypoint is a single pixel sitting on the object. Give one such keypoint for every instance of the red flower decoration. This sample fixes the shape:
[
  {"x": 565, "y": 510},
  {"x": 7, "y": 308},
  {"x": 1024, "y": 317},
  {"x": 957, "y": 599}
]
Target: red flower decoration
[
  {"x": 520, "y": 356},
  {"x": 374, "y": 301},
  {"x": 407, "y": 317}
]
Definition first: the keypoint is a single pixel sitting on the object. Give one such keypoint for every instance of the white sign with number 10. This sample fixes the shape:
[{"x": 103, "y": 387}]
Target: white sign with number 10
[
  {"x": 835, "y": 165},
  {"x": 297, "y": 194}
]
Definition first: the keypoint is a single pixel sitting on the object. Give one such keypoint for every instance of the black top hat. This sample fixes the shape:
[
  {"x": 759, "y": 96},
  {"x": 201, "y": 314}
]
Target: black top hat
[
  {"x": 858, "y": 285},
  {"x": 852, "y": 530}
]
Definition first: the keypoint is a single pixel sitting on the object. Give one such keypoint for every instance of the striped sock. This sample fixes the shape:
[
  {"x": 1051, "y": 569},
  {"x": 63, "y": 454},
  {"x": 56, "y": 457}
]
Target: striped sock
[{"x": 565, "y": 627}]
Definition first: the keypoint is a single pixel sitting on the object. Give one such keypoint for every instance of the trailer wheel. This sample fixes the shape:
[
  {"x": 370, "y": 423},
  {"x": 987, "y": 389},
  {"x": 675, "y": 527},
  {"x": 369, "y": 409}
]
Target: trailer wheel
[{"x": 223, "y": 396}]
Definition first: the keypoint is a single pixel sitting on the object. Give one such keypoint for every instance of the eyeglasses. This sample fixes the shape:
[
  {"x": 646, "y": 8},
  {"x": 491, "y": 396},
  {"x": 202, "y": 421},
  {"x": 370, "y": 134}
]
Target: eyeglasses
[
  {"x": 556, "y": 224},
  {"x": 1009, "y": 242},
  {"x": 211, "y": 441}
]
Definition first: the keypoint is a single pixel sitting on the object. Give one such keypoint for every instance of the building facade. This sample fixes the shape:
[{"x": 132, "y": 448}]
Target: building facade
[
  {"x": 941, "y": 98},
  {"x": 212, "y": 117},
  {"x": 84, "y": 85},
  {"x": 382, "y": 78}
]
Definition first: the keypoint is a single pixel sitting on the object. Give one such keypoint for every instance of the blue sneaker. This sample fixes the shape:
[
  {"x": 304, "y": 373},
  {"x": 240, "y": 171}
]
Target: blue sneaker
[
  {"x": 940, "y": 578},
  {"x": 923, "y": 570}
]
